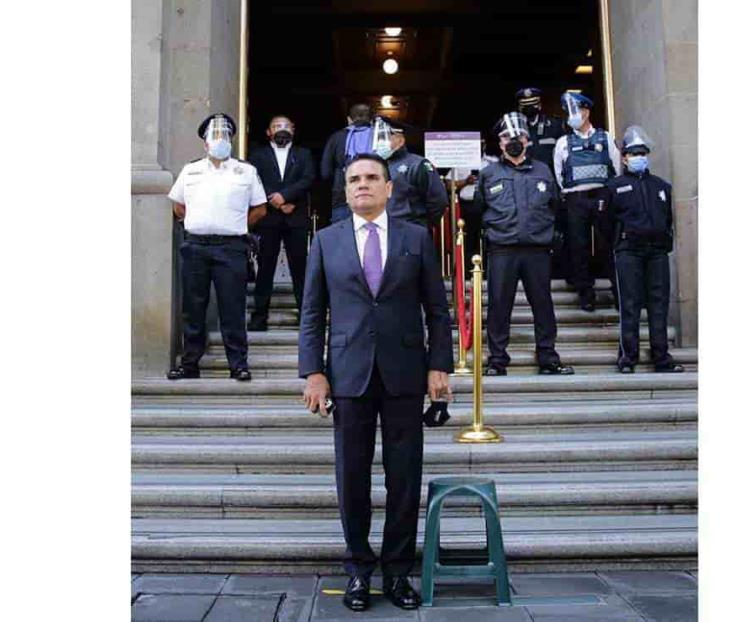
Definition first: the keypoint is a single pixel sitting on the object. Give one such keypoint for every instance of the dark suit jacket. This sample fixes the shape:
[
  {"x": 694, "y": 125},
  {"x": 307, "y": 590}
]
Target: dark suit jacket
[
  {"x": 364, "y": 330},
  {"x": 299, "y": 175}
]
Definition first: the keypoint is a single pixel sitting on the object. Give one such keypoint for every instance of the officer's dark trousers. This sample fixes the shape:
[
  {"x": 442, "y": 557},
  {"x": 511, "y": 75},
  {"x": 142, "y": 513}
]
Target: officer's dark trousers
[
  {"x": 472, "y": 217},
  {"x": 355, "y": 422},
  {"x": 296, "y": 247},
  {"x": 643, "y": 280},
  {"x": 225, "y": 265},
  {"x": 533, "y": 268},
  {"x": 582, "y": 215}
]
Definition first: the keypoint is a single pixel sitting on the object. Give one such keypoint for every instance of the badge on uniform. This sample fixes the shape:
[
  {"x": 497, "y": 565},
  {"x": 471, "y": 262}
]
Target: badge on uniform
[
  {"x": 541, "y": 185},
  {"x": 496, "y": 189},
  {"x": 598, "y": 147},
  {"x": 238, "y": 170},
  {"x": 662, "y": 195},
  {"x": 623, "y": 189},
  {"x": 403, "y": 168}
]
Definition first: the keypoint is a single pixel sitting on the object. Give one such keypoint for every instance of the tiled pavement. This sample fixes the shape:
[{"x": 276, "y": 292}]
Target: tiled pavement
[{"x": 610, "y": 596}]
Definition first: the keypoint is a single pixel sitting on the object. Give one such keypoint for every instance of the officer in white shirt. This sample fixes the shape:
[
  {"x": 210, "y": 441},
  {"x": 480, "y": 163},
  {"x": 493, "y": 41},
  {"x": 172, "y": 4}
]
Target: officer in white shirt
[
  {"x": 213, "y": 196},
  {"x": 584, "y": 161}
]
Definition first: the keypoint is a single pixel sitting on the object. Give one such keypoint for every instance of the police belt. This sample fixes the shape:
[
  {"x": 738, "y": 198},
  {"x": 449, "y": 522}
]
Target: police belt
[
  {"x": 214, "y": 239},
  {"x": 592, "y": 193}
]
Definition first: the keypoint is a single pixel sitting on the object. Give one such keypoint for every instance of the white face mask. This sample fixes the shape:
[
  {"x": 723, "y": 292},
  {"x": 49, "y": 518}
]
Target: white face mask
[{"x": 219, "y": 149}]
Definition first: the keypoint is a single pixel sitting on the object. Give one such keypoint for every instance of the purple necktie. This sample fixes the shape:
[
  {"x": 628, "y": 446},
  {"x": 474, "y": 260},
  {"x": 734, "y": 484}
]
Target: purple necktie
[{"x": 372, "y": 264}]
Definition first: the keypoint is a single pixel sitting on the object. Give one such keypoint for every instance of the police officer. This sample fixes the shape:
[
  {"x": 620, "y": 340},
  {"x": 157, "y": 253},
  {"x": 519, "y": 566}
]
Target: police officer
[
  {"x": 584, "y": 161},
  {"x": 544, "y": 130},
  {"x": 418, "y": 192},
  {"x": 640, "y": 205},
  {"x": 518, "y": 198},
  {"x": 212, "y": 196}
]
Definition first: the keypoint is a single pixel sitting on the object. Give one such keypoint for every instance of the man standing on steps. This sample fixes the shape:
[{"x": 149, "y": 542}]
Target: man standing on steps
[
  {"x": 287, "y": 173},
  {"x": 641, "y": 209},
  {"x": 518, "y": 198},
  {"x": 584, "y": 161},
  {"x": 374, "y": 275},
  {"x": 212, "y": 196}
]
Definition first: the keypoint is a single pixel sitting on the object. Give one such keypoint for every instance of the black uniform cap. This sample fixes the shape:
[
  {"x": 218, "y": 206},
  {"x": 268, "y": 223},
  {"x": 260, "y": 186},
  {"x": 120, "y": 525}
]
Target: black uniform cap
[
  {"x": 528, "y": 96},
  {"x": 202, "y": 130}
]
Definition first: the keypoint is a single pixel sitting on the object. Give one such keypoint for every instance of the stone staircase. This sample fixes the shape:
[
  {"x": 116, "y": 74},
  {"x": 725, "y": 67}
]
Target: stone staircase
[{"x": 597, "y": 469}]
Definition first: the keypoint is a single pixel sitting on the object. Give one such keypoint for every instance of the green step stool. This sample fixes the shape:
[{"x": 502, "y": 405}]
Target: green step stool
[{"x": 496, "y": 567}]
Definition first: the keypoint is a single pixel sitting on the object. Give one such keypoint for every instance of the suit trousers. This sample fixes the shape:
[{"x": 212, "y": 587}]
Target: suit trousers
[
  {"x": 355, "y": 423},
  {"x": 296, "y": 246},
  {"x": 225, "y": 265},
  {"x": 643, "y": 280},
  {"x": 533, "y": 268},
  {"x": 582, "y": 214}
]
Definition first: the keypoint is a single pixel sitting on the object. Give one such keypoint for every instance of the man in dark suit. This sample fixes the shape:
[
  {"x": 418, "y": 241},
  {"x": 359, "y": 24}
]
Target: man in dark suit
[
  {"x": 287, "y": 172},
  {"x": 374, "y": 275}
]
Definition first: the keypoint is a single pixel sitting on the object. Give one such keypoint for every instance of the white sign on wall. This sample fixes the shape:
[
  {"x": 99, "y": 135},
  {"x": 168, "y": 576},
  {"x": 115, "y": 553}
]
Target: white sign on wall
[{"x": 453, "y": 149}]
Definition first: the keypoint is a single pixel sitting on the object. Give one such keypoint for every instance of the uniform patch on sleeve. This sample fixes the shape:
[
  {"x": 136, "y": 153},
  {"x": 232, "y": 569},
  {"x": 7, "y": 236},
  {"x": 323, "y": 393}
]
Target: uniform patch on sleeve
[
  {"x": 496, "y": 189},
  {"x": 662, "y": 195},
  {"x": 428, "y": 166},
  {"x": 623, "y": 189}
]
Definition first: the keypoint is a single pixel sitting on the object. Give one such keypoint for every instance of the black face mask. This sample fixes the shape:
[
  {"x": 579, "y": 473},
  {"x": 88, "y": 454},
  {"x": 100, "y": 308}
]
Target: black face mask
[
  {"x": 514, "y": 148},
  {"x": 530, "y": 111},
  {"x": 282, "y": 137}
]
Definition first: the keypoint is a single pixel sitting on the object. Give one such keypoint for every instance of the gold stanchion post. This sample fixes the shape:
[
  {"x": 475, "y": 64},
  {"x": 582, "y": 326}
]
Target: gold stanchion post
[
  {"x": 461, "y": 369},
  {"x": 477, "y": 433}
]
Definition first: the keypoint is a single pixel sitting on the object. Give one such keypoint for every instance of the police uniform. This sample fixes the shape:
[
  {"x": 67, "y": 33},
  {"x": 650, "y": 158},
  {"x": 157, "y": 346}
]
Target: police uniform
[
  {"x": 640, "y": 205},
  {"x": 583, "y": 164},
  {"x": 215, "y": 250},
  {"x": 545, "y": 130},
  {"x": 518, "y": 202}
]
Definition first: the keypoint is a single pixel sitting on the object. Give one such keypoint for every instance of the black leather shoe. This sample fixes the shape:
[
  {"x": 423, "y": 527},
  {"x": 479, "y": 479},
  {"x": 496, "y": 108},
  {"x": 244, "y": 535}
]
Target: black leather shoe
[
  {"x": 556, "y": 369},
  {"x": 495, "y": 370},
  {"x": 241, "y": 374},
  {"x": 587, "y": 301},
  {"x": 400, "y": 593},
  {"x": 669, "y": 368},
  {"x": 626, "y": 369},
  {"x": 357, "y": 594},
  {"x": 180, "y": 373},
  {"x": 257, "y": 325}
]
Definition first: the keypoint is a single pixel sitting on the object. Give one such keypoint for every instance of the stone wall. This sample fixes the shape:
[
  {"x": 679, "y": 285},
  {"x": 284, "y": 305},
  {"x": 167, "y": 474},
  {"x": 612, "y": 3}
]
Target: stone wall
[{"x": 655, "y": 65}]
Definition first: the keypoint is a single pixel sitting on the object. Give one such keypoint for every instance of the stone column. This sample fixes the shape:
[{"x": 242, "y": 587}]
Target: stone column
[
  {"x": 655, "y": 56},
  {"x": 151, "y": 209}
]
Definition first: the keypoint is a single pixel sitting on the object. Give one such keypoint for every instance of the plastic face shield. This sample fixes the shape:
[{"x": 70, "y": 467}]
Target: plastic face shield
[
  {"x": 635, "y": 136},
  {"x": 218, "y": 129},
  {"x": 570, "y": 104},
  {"x": 382, "y": 133},
  {"x": 513, "y": 125}
]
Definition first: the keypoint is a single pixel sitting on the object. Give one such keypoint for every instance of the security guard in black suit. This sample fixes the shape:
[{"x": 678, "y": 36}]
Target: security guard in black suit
[
  {"x": 287, "y": 172},
  {"x": 544, "y": 129},
  {"x": 518, "y": 198},
  {"x": 419, "y": 195},
  {"x": 641, "y": 210}
]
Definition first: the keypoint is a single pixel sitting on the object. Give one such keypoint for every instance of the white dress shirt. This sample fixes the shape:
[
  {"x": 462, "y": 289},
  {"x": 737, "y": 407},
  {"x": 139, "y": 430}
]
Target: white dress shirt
[
  {"x": 361, "y": 233},
  {"x": 561, "y": 153},
  {"x": 281, "y": 154},
  {"x": 217, "y": 198}
]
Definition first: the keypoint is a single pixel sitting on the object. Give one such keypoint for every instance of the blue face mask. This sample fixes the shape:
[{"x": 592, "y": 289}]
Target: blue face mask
[
  {"x": 384, "y": 151},
  {"x": 219, "y": 149},
  {"x": 637, "y": 164}
]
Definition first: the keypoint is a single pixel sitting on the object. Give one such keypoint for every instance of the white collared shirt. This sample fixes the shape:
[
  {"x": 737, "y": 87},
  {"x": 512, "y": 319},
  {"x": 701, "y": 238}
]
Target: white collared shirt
[
  {"x": 561, "y": 153},
  {"x": 217, "y": 198},
  {"x": 281, "y": 154},
  {"x": 361, "y": 233}
]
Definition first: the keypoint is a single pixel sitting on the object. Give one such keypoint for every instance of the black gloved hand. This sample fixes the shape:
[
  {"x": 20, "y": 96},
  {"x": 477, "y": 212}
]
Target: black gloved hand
[{"x": 436, "y": 415}]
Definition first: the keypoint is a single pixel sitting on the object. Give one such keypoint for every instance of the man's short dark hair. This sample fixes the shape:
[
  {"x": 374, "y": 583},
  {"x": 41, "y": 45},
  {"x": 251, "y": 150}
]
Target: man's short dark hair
[
  {"x": 374, "y": 157},
  {"x": 360, "y": 112},
  {"x": 279, "y": 116}
]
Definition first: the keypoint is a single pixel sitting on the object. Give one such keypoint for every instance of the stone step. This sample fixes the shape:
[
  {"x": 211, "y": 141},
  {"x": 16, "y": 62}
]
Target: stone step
[
  {"x": 314, "y": 452},
  {"x": 249, "y": 418},
  {"x": 302, "y": 546},
  {"x": 313, "y": 496},
  {"x": 522, "y": 360},
  {"x": 519, "y": 334},
  {"x": 539, "y": 387},
  {"x": 603, "y": 299}
]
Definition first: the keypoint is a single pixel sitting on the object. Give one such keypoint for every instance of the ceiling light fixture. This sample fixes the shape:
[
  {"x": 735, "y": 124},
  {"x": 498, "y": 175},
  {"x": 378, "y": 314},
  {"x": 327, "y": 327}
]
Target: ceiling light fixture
[
  {"x": 386, "y": 101},
  {"x": 390, "y": 66},
  {"x": 393, "y": 31},
  {"x": 583, "y": 69}
]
